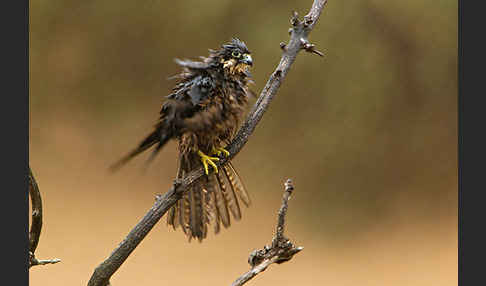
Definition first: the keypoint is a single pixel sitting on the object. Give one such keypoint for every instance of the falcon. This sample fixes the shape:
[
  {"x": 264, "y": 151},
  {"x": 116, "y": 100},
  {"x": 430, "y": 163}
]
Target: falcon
[{"x": 203, "y": 113}]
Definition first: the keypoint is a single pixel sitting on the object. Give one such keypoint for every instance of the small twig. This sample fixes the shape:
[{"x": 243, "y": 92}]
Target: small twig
[
  {"x": 281, "y": 249},
  {"x": 283, "y": 209},
  {"x": 310, "y": 48},
  {"x": 33, "y": 261},
  {"x": 299, "y": 30},
  {"x": 36, "y": 226}
]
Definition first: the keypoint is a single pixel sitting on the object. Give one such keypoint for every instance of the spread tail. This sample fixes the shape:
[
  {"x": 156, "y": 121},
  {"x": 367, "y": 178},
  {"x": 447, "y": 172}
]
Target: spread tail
[{"x": 214, "y": 199}]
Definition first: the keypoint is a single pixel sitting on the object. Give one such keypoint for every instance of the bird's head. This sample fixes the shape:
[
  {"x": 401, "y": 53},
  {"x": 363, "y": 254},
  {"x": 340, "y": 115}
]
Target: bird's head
[{"x": 235, "y": 57}]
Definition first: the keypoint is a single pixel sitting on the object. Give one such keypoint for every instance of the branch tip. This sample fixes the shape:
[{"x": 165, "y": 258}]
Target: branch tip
[
  {"x": 294, "y": 20},
  {"x": 310, "y": 48},
  {"x": 33, "y": 261},
  {"x": 289, "y": 187}
]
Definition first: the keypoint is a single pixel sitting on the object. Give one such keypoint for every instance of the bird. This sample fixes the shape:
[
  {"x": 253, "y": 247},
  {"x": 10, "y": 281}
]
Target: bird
[{"x": 202, "y": 113}]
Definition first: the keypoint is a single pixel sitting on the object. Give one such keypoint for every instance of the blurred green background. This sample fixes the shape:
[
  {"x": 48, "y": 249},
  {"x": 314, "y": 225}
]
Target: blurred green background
[{"x": 368, "y": 134}]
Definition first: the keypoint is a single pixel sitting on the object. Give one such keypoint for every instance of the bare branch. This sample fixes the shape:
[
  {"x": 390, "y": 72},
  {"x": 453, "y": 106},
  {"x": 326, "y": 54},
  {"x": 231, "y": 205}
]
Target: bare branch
[
  {"x": 36, "y": 226},
  {"x": 299, "y": 30},
  {"x": 281, "y": 249}
]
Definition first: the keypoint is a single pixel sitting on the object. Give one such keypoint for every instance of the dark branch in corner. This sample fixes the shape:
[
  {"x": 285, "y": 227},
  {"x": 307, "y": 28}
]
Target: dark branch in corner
[
  {"x": 298, "y": 41},
  {"x": 36, "y": 225},
  {"x": 281, "y": 249}
]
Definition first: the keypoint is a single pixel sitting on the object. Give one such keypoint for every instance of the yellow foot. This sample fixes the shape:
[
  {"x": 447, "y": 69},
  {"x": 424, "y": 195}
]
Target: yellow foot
[
  {"x": 207, "y": 160},
  {"x": 220, "y": 150}
]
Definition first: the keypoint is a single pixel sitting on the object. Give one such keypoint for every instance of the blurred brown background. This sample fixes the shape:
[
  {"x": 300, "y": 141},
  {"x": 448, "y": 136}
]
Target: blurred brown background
[{"x": 368, "y": 134}]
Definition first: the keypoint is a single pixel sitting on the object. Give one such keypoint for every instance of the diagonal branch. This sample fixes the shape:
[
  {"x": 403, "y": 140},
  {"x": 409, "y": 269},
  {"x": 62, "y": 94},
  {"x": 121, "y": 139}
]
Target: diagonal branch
[
  {"x": 281, "y": 249},
  {"x": 298, "y": 40},
  {"x": 36, "y": 225}
]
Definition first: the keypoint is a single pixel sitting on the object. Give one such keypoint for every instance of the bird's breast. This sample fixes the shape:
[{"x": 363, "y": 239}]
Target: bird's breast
[{"x": 216, "y": 122}]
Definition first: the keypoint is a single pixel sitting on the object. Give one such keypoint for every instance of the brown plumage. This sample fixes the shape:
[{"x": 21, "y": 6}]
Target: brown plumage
[{"x": 203, "y": 113}]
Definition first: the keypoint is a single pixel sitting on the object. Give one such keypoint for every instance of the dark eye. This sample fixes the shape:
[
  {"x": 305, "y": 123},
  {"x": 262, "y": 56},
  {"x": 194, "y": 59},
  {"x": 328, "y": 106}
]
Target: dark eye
[{"x": 236, "y": 54}]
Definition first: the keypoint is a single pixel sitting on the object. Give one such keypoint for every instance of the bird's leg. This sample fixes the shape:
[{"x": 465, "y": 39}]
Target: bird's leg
[
  {"x": 219, "y": 150},
  {"x": 207, "y": 160}
]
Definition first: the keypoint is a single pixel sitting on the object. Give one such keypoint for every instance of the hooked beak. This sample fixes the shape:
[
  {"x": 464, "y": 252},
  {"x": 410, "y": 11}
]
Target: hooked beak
[{"x": 247, "y": 60}]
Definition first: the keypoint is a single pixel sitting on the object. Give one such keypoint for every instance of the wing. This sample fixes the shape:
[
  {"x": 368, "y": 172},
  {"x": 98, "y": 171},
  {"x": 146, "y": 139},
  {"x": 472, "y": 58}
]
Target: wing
[
  {"x": 192, "y": 65},
  {"x": 194, "y": 90},
  {"x": 161, "y": 134},
  {"x": 197, "y": 89}
]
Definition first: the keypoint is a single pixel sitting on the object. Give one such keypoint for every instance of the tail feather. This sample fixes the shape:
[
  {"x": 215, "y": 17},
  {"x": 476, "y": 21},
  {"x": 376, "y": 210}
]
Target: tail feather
[
  {"x": 213, "y": 207},
  {"x": 207, "y": 210},
  {"x": 221, "y": 202},
  {"x": 185, "y": 213},
  {"x": 229, "y": 194},
  {"x": 196, "y": 219},
  {"x": 174, "y": 213},
  {"x": 173, "y": 217},
  {"x": 237, "y": 184},
  {"x": 183, "y": 204}
]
